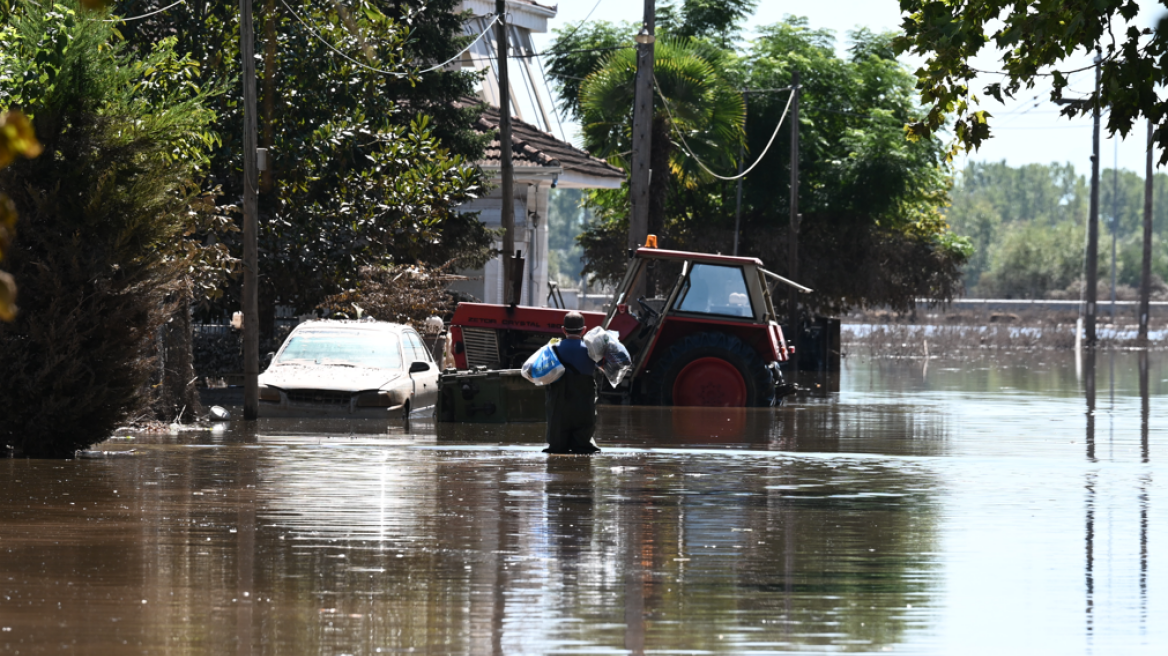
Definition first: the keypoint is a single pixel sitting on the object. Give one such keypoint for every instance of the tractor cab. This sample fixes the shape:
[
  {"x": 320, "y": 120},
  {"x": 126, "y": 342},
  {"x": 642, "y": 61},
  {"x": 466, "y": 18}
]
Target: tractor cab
[{"x": 709, "y": 337}]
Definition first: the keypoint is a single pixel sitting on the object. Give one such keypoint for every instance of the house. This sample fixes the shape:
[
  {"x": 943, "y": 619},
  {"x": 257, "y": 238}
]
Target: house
[{"x": 541, "y": 161}]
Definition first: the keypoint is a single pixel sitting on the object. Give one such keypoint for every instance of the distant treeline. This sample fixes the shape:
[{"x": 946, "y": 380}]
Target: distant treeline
[{"x": 1028, "y": 225}]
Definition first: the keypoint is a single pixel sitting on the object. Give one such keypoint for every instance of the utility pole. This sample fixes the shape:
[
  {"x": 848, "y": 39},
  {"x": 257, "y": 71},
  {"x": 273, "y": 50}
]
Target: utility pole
[
  {"x": 506, "y": 171},
  {"x": 640, "y": 176},
  {"x": 741, "y": 155},
  {"x": 1114, "y": 221},
  {"x": 251, "y": 319},
  {"x": 793, "y": 245},
  {"x": 1092, "y": 273},
  {"x": 1146, "y": 269}
]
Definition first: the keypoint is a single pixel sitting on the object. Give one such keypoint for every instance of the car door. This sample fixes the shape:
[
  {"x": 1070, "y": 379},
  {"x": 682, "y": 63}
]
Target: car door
[{"x": 425, "y": 382}]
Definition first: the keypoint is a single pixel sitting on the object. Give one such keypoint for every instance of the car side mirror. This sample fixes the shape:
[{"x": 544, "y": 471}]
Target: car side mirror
[{"x": 419, "y": 367}]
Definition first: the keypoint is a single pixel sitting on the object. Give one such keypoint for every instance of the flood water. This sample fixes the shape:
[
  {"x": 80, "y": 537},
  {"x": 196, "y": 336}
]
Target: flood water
[{"x": 1009, "y": 506}]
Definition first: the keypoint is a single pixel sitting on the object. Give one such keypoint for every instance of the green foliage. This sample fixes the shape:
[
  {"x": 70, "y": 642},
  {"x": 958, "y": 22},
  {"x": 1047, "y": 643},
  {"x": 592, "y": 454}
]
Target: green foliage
[
  {"x": 566, "y": 221},
  {"x": 367, "y": 167},
  {"x": 700, "y": 105},
  {"x": 868, "y": 196},
  {"x": 1032, "y": 259},
  {"x": 717, "y": 20},
  {"x": 1033, "y": 36},
  {"x": 997, "y": 206},
  {"x": 103, "y": 207},
  {"x": 17, "y": 138},
  {"x": 578, "y": 51}
]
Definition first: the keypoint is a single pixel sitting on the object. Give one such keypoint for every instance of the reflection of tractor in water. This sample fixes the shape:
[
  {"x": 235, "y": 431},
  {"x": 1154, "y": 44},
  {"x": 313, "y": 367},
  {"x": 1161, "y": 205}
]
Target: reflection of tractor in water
[{"x": 711, "y": 339}]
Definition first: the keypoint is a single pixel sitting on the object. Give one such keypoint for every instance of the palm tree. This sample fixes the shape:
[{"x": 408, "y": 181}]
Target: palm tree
[{"x": 699, "y": 105}]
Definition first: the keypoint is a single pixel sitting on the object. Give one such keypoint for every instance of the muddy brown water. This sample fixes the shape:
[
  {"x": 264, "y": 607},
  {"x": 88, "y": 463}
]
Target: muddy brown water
[{"x": 1010, "y": 506}]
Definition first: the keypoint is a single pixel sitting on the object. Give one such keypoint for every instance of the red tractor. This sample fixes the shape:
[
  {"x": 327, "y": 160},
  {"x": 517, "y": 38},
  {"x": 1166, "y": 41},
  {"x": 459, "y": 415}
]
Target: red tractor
[{"x": 711, "y": 338}]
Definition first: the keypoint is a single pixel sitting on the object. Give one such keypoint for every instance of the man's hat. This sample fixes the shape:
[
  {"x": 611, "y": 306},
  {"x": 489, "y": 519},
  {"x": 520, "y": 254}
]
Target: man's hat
[{"x": 573, "y": 322}]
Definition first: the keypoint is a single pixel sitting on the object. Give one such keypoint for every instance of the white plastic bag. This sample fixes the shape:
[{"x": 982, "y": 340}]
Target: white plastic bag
[
  {"x": 596, "y": 340},
  {"x": 543, "y": 367},
  {"x": 604, "y": 348}
]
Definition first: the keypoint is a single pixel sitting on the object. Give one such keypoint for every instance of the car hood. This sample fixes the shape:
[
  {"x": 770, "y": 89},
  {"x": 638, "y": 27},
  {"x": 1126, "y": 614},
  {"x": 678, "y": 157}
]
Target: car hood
[{"x": 328, "y": 377}]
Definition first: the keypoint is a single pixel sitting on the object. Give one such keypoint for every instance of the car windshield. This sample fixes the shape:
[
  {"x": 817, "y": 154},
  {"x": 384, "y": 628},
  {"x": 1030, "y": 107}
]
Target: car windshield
[{"x": 358, "y": 348}]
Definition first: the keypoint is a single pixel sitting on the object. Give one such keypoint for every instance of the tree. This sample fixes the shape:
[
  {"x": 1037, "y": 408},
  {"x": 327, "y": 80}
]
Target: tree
[
  {"x": 370, "y": 159},
  {"x": 1032, "y": 38},
  {"x": 1000, "y": 208},
  {"x": 102, "y": 208},
  {"x": 716, "y": 20},
  {"x": 16, "y": 139},
  {"x": 566, "y": 220},
  {"x": 1032, "y": 260},
  {"x": 692, "y": 99},
  {"x": 868, "y": 196}
]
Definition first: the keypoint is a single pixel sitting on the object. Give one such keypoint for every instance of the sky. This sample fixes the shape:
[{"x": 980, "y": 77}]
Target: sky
[{"x": 1026, "y": 130}]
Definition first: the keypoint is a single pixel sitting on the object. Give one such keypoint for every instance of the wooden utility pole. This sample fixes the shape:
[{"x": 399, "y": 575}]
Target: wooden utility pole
[
  {"x": 506, "y": 171},
  {"x": 639, "y": 177},
  {"x": 1092, "y": 272},
  {"x": 793, "y": 244},
  {"x": 251, "y": 319},
  {"x": 1146, "y": 269}
]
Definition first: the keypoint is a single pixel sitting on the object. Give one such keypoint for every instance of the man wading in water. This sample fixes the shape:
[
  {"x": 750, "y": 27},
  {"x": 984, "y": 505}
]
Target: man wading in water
[{"x": 571, "y": 400}]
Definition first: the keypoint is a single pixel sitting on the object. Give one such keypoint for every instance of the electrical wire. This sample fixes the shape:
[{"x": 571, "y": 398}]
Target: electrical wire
[
  {"x": 147, "y": 15},
  {"x": 579, "y": 25},
  {"x": 1036, "y": 74},
  {"x": 570, "y": 52},
  {"x": 378, "y": 70},
  {"x": 689, "y": 151}
]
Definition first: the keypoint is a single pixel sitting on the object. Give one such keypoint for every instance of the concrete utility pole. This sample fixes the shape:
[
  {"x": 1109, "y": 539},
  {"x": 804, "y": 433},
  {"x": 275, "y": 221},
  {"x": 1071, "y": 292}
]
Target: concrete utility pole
[
  {"x": 1092, "y": 272},
  {"x": 1146, "y": 269},
  {"x": 1114, "y": 222},
  {"x": 506, "y": 171},
  {"x": 251, "y": 319},
  {"x": 793, "y": 245},
  {"x": 639, "y": 177},
  {"x": 741, "y": 155}
]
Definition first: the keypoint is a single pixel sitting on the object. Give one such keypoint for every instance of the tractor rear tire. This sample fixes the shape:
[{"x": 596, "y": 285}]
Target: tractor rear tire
[{"x": 730, "y": 372}]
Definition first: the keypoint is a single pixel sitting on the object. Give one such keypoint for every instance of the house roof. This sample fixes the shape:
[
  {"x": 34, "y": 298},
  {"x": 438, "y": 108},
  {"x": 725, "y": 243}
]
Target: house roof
[{"x": 534, "y": 148}]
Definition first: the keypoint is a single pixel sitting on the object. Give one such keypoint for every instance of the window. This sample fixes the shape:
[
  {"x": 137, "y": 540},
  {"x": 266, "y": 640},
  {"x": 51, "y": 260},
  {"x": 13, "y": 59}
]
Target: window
[
  {"x": 714, "y": 289},
  {"x": 420, "y": 354},
  {"x": 360, "y": 348}
]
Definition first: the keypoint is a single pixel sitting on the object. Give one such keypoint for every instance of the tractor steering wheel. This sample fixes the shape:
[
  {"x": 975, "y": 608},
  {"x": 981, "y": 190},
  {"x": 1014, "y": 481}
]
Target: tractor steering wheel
[{"x": 649, "y": 311}]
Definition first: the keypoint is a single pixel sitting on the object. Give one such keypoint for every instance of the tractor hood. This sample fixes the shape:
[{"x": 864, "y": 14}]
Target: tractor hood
[{"x": 339, "y": 378}]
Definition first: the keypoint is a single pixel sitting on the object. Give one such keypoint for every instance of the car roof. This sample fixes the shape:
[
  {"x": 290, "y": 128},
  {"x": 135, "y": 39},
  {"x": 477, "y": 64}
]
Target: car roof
[{"x": 350, "y": 324}]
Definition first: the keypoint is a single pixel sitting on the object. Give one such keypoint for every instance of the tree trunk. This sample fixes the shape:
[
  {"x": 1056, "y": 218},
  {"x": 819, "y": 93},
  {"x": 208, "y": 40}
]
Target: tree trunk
[{"x": 178, "y": 399}]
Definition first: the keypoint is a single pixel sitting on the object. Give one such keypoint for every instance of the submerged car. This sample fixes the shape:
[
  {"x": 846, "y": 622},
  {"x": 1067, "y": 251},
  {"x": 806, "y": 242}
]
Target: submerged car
[{"x": 366, "y": 369}]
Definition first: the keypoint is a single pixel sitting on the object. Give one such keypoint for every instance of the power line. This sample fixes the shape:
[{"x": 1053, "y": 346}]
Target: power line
[
  {"x": 688, "y": 151},
  {"x": 147, "y": 15},
  {"x": 579, "y": 25},
  {"x": 1051, "y": 74},
  {"x": 378, "y": 70},
  {"x": 570, "y": 52}
]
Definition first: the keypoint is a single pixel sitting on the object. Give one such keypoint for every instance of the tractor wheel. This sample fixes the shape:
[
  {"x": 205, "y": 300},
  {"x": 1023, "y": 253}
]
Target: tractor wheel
[{"x": 710, "y": 369}]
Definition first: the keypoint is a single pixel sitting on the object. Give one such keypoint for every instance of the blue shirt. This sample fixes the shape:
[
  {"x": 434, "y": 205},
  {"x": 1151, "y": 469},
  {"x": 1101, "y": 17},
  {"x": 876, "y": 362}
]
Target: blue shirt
[{"x": 573, "y": 351}]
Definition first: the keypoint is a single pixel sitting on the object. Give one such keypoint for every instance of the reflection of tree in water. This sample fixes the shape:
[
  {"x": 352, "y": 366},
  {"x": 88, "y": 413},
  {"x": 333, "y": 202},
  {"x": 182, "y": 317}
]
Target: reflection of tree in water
[
  {"x": 504, "y": 551},
  {"x": 893, "y": 429},
  {"x": 808, "y": 553}
]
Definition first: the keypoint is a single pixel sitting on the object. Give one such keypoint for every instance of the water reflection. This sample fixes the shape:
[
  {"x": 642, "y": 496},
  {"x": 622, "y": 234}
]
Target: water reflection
[{"x": 905, "y": 513}]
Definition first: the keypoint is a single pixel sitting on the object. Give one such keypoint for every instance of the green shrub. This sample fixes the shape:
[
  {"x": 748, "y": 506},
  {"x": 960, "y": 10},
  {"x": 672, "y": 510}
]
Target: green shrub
[
  {"x": 1032, "y": 260},
  {"x": 101, "y": 210}
]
